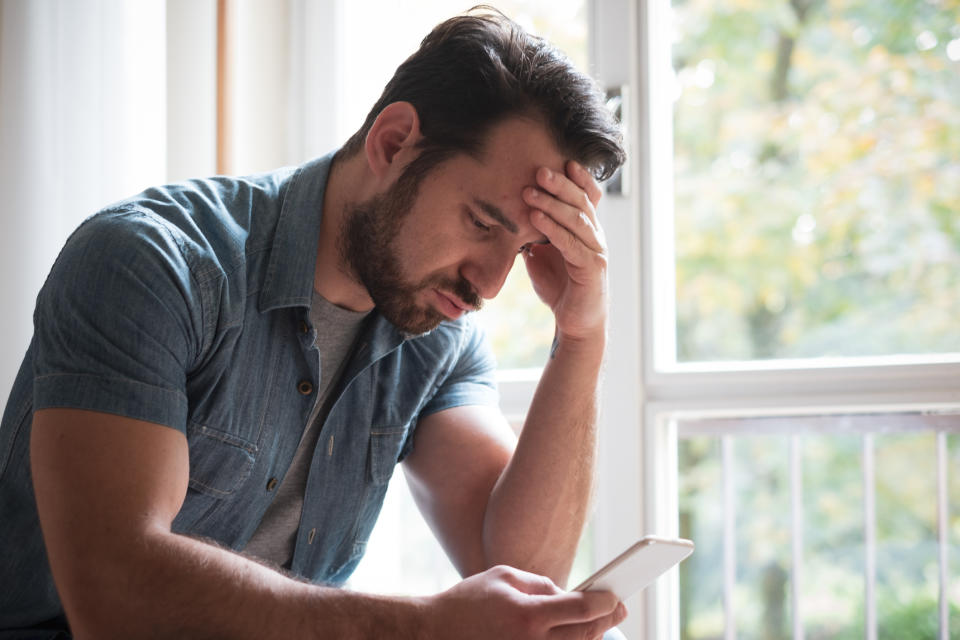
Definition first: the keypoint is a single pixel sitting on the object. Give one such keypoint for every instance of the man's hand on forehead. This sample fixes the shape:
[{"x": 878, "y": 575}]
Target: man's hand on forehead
[{"x": 569, "y": 276}]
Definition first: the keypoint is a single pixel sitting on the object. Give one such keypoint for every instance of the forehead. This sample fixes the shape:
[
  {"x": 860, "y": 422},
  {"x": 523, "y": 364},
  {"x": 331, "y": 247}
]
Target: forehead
[
  {"x": 513, "y": 152},
  {"x": 515, "y": 149}
]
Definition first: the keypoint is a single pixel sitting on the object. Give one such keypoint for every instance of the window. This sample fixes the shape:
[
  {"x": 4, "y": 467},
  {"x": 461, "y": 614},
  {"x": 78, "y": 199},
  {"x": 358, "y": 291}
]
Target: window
[{"x": 798, "y": 171}]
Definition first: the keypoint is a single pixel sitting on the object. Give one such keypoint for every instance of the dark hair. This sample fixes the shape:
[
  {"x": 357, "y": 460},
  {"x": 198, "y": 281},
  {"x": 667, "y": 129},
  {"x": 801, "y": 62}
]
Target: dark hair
[{"x": 474, "y": 70}]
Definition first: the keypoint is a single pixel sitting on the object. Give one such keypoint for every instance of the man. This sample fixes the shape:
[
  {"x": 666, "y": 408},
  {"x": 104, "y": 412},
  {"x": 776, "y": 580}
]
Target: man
[{"x": 225, "y": 372}]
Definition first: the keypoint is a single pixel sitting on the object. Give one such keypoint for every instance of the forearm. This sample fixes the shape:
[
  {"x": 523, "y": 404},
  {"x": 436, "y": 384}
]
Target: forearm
[
  {"x": 178, "y": 587},
  {"x": 107, "y": 489},
  {"x": 537, "y": 510}
]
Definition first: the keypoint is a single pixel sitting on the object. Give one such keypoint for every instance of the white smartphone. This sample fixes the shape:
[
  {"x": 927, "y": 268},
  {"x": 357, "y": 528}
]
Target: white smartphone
[{"x": 638, "y": 566}]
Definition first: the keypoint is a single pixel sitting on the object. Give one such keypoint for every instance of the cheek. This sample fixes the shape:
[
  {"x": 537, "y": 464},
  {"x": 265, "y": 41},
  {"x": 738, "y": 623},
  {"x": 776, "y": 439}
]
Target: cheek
[{"x": 424, "y": 252}]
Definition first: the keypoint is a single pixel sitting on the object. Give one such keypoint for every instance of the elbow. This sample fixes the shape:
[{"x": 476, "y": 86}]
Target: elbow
[
  {"x": 90, "y": 607},
  {"x": 106, "y": 594}
]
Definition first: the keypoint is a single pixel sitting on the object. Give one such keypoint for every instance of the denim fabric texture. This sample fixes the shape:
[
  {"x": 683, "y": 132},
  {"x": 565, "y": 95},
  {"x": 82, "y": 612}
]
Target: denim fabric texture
[{"x": 188, "y": 306}]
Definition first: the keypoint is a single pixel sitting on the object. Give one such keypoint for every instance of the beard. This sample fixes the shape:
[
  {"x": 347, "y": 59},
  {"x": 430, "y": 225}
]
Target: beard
[{"x": 368, "y": 247}]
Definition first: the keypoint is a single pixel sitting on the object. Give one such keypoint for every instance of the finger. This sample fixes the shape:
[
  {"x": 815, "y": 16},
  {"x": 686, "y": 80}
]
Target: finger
[
  {"x": 590, "y": 629},
  {"x": 578, "y": 222},
  {"x": 575, "y": 250},
  {"x": 577, "y": 607},
  {"x": 585, "y": 180},
  {"x": 567, "y": 191}
]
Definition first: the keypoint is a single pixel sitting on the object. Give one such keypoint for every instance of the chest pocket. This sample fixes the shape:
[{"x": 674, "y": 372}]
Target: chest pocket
[
  {"x": 219, "y": 462},
  {"x": 385, "y": 447}
]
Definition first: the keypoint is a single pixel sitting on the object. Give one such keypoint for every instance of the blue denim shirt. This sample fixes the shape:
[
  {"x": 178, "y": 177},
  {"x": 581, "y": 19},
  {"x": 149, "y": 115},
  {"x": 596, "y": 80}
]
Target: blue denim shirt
[{"x": 187, "y": 306}]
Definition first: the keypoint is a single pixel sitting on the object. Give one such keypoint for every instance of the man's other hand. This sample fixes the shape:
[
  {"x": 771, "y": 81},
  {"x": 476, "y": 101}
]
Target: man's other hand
[{"x": 504, "y": 602}]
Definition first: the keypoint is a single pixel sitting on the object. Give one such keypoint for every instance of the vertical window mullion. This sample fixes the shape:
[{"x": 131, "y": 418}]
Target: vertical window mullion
[
  {"x": 729, "y": 538},
  {"x": 870, "y": 537},
  {"x": 942, "y": 522},
  {"x": 796, "y": 508}
]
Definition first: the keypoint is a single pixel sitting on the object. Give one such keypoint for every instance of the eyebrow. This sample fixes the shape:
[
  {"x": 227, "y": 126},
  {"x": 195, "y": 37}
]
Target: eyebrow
[{"x": 494, "y": 212}]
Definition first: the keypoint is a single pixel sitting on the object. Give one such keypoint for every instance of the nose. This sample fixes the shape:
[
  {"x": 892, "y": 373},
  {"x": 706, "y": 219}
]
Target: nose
[{"x": 488, "y": 272}]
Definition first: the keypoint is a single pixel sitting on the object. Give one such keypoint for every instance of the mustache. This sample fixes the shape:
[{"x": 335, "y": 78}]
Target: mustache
[{"x": 461, "y": 288}]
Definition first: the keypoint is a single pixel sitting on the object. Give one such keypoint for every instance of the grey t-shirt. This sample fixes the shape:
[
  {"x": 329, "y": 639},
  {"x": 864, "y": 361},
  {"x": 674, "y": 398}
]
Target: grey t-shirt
[{"x": 337, "y": 330}]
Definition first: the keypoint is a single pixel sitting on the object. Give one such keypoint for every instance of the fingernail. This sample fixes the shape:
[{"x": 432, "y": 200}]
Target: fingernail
[{"x": 548, "y": 173}]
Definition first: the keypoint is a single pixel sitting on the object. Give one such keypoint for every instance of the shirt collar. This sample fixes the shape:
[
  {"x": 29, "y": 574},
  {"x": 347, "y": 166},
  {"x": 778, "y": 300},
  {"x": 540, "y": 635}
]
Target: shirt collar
[{"x": 293, "y": 256}]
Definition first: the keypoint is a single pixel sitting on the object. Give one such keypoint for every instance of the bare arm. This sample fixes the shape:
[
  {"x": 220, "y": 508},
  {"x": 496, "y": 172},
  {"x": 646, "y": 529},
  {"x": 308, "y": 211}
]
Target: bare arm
[
  {"x": 539, "y": 506},
  {"x": 492, "y": 504},
  {"x": 528, "y": 509},
  {"x": 107, "y": 491}
]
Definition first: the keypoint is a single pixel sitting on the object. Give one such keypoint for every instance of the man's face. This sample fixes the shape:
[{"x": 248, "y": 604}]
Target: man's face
[{"x": 430, "y": 250}]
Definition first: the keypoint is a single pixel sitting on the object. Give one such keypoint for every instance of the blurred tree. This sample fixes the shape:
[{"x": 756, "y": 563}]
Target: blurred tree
[{"x": 817, "y": 170}]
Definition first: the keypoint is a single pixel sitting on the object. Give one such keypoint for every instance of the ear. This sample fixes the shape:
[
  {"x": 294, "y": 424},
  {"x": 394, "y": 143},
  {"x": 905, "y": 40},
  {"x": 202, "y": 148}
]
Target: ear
[{"x": 392, "y": 138}]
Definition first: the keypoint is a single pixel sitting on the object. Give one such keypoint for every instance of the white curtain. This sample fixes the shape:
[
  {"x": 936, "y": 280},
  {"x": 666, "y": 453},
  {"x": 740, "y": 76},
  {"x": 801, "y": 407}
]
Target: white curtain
[
  {"x": 102, "y": 98},
  {"x": 82, "y": 123}
]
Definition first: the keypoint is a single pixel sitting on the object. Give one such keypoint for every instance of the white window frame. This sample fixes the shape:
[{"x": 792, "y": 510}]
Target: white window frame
[{"x": 645, "y": 393}]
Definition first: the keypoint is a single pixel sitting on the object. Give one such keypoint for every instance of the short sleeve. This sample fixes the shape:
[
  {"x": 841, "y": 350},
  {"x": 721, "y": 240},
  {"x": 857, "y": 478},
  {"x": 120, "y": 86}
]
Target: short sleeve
[
  {"x": 472, "y": 380},
  {"x": 118, "y": 321}
]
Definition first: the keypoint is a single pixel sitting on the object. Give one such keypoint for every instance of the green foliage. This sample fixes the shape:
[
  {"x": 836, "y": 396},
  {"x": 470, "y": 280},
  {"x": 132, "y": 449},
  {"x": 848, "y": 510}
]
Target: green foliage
[
  {"x": 817, "y": 178},
  {"x": 916, "y": 620}
]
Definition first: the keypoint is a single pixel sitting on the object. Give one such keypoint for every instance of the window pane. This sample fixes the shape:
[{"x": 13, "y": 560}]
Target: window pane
[
  {"x": 817, "y": 178},
  {"x": 907, "y": 585},
  {"x": 701, "y": 518},
  {"x": 832, "y": 593},
  {"x": 831, "y": 525},
  {"x": 761, "y": 598}
]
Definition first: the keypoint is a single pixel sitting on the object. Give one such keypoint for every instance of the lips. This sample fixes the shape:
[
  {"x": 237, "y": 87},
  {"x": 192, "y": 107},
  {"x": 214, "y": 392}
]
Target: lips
[{"x": 450, "y": 305}]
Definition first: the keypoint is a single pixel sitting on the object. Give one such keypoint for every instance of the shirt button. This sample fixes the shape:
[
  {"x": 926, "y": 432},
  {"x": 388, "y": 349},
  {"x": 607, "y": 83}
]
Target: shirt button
[
  {"x": 271, "y": 484},
  {"x": 304, "y": 329},
  {"x": 312, "y": 535},
  {"x": 305, "y": 387}
]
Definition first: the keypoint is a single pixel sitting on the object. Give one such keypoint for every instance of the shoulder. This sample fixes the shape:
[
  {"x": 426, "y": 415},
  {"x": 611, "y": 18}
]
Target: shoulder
[
  {"x": 452, "y": 339},
  {"x": 205, "y": 225},
  {"x": 123, "y": 235},
  {"x": 455, "y": 351}
]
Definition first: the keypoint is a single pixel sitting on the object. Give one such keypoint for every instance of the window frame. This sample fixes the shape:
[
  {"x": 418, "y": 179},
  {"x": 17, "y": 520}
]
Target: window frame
[{"x": 664, "y": 391}]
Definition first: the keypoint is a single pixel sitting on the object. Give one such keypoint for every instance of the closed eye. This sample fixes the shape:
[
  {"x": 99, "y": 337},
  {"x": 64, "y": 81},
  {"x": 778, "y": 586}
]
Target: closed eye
[
  {"x": 526, "y": 248},
  {"x": 478, "y": 223}
]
